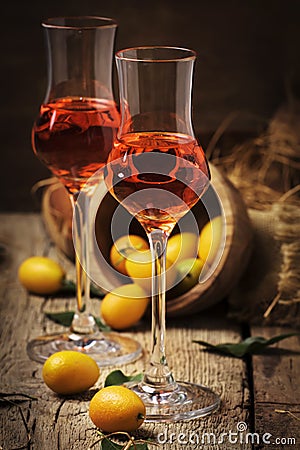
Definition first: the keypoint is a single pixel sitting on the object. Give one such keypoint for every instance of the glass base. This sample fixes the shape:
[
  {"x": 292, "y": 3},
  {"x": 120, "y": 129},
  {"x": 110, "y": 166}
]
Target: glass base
[
  {"x": 107, "y": 349},
  {"x": 186, "y": 402}
]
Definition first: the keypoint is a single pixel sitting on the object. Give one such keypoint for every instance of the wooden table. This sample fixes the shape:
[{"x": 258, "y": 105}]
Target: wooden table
[{"x": 252, "y": 390}]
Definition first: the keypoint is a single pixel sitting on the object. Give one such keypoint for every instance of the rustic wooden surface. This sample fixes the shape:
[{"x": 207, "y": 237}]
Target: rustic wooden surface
[
  {"x": 251, "y": 390},
  {"x": 276, "y": 388}
]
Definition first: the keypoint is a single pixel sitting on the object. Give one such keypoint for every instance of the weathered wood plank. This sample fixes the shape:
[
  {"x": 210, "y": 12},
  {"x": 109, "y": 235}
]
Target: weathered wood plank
[
  {"x": 63, "y": 423},
  {"x": 276, "y": 387}
]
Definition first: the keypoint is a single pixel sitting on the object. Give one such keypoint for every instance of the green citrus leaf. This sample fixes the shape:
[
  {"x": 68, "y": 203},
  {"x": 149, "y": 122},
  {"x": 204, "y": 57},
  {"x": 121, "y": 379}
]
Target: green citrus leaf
[
  {"x": 69, "y": 287},
  {"x": 65, "y": 318},
  {"x": 96, "y": 291},
  {"x": 117, "y": 377},
  {"x": 108, "y": 444},
  {"x": 102, "y": 326},
  {"x": 250, "y": 346}
]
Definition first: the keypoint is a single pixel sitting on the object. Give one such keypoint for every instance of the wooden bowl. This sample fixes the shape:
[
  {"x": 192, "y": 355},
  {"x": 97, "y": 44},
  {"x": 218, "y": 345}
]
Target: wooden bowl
[
  {"x": 221, "y": 199},
  {"x": 234, "y": 257}
]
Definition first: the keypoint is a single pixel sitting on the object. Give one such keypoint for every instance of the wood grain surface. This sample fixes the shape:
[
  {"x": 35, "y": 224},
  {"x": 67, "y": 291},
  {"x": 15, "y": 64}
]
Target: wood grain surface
[{"x": 250, "y": 391}]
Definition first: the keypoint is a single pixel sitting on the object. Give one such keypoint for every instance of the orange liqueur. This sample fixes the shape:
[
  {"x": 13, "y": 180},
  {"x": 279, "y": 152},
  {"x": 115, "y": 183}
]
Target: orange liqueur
[
  {"x": 73, "y": 137},
  {"x": 157, "y": 176}
]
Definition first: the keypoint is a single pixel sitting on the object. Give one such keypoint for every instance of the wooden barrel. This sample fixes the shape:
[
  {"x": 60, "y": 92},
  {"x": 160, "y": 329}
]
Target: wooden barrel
[{"x": 222, "y": 198}]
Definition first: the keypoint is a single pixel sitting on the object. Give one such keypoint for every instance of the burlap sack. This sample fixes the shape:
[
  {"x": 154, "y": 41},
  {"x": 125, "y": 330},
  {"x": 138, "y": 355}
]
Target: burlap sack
[
  {"x": 269, "y": 291},
  {"x": 266, "y": 171}
]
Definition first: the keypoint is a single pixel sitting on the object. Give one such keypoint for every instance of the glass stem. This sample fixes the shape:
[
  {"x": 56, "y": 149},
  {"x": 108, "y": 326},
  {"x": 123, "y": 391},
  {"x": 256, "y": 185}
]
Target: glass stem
[
  {"x": 83, "y": 321},
  {"x": 158, "y": 377}
]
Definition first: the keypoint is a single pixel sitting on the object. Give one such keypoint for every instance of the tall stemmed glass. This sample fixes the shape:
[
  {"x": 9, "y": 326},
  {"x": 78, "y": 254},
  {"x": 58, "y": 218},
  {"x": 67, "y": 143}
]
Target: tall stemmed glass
[
  {"x": 72, "y": 136},
  {"x": 158, "y": 171}
]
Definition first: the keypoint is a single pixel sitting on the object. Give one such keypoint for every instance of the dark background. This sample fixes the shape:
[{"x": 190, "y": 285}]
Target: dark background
[{"x": 248, "y": 60}]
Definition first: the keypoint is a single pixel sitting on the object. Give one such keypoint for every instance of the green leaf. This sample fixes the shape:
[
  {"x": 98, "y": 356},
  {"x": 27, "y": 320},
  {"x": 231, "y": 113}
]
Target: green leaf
[
  {"x": 107, "y": 444},
  {"x": 69, "y": 287},
  {"x": 65, "y": 318},
  {"x": 117, "y": 377},
  {"x": 250, "y": 346},
  {"x": 102, "y": 326},
  {"x": 96, "y": 291}
]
